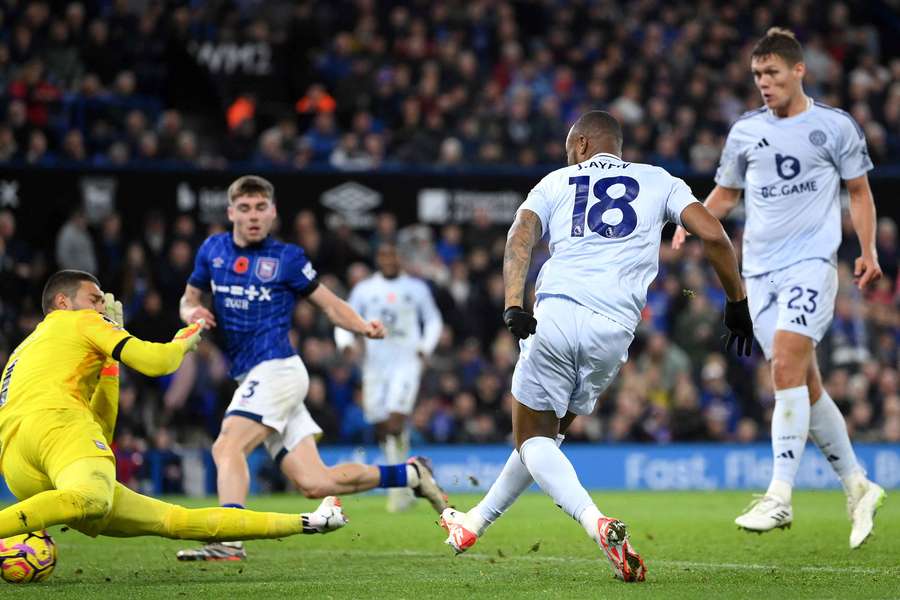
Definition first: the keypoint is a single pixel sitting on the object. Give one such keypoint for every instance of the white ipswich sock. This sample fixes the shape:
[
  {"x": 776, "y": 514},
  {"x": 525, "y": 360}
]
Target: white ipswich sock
[
  {"x": 513, "y": 480},
  {"x": 790, "y": 428},
  {"x": 828, "y": 430},
  {"x": 556, "y": 476}
]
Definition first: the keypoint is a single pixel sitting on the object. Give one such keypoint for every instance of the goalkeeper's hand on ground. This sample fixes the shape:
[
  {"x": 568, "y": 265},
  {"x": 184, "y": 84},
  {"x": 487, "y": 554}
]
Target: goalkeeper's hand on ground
[{"x": 189, "y": 336}]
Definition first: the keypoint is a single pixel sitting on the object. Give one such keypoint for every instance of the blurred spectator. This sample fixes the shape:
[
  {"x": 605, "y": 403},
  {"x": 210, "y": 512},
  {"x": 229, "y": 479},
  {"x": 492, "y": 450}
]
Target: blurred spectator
[{"x": 74, "y": 246}]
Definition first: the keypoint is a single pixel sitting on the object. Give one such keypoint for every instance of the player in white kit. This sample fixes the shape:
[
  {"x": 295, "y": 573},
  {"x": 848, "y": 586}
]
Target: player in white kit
[
  {"x": 393, "y": 365},
  {"x": 789, "y": 158},
  {"x": 604, "y": 218}
]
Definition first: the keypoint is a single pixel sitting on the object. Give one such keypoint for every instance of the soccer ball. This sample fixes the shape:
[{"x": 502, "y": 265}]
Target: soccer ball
[{"x": 27, "y": 558}]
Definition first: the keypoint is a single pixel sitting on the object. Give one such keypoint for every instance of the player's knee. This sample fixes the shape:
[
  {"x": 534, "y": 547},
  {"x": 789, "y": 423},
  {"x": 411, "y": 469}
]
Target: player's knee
[
  {"x": 224, "y": 448},
  {"x": 785, "y": 373},
  {"x": 313, "y": 488},
  {"x": 95, "y": 499}
]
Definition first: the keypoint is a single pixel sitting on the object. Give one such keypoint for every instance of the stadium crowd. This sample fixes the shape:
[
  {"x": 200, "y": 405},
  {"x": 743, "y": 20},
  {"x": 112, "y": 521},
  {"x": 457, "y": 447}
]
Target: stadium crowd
[
  {"x": 365, "y": 85},
  {"x": 677, "y": 386}
]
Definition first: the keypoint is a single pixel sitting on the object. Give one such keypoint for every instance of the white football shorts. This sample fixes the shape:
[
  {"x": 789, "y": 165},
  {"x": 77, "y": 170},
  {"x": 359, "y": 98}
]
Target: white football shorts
[
  {"x": 798, "y": 298},
  {"x": 573, "y": 356},
  {"x": 390, "y": 388},
  {"x": 273, "y": 393}
]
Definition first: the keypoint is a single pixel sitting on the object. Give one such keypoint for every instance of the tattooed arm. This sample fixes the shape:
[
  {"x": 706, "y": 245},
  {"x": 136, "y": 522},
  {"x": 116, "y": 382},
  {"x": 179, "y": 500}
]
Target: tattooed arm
[{"x": 523, "y": 235}]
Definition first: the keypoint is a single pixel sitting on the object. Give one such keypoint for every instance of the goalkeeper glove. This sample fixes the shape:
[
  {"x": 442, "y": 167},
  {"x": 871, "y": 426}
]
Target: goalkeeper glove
[
  {"x": 113, "y": 309},
  {"x": 189, "y": 336}
]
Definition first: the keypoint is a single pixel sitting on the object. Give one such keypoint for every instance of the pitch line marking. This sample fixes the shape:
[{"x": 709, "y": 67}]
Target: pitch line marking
[{"x": 650, "y": 562}]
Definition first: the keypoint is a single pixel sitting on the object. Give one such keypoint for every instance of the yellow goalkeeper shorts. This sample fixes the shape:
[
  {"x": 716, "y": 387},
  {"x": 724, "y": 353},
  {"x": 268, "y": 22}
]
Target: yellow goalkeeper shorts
[{"x": 41, "y": 444}]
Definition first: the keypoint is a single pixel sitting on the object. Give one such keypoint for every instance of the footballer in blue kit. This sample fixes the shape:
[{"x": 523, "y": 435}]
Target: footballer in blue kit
[{"x": 254, "y": 281}]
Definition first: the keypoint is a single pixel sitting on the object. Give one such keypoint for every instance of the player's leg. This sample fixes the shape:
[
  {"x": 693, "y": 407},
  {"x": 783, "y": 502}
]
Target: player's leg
[
  {"x": 239, "y": 436},
  {"x": 513, "y": 480},
  {"x": 573, "y": 356},
  {"x": 303, "y": 466},
  {"x": 294, "y": 449},
  {"x": 791, "y": 359},
  {"x": 382, "y": 388},
  {"x": 133, "y": 515},
  {"x": 402, "y": 392},
  {"x": 393, "y": 437},
  {"x": 535, "y": 433},
  {"x": 60, "y": 468},
  {"x": 791, "y": 356},
  {"x": 81, "y": 491},
  {"x": 828, "y": 430}
]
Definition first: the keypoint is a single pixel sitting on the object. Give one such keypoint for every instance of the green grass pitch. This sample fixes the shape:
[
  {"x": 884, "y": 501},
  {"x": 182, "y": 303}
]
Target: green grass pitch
[{"x": 688, "y": 541}]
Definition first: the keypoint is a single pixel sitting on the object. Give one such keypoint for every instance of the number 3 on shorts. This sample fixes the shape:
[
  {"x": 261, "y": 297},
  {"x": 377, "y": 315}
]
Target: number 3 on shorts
[{"x": 251, "y": 388}]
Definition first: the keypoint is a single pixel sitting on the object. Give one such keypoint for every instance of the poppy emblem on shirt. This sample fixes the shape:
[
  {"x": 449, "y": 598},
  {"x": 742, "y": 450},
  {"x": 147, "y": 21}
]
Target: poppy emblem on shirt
[
  {"x": 266, "y": 269},
  {"x": 241, "y": 265},
  {"x": 391, "y": 297}
]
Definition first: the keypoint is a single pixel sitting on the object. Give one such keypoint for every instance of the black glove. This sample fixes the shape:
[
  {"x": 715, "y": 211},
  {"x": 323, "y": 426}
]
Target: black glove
[
  {"x": 519, "y": 322},
  {"x": 739, "y": 325}
]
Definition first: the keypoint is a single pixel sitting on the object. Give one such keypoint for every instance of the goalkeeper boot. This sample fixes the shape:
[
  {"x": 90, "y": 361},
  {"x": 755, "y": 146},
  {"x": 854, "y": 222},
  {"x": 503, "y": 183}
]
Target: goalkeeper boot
[
  {"x": 427, "y": 487},
  {"x": 862, "y": 504},
  {"x": 458, "y": 536},
  {"x": 215, "y": 551},
  {"x": 626, "y": 563},
  {"x": 766, "y": 513},
  {"x": 325, "y": 519}
]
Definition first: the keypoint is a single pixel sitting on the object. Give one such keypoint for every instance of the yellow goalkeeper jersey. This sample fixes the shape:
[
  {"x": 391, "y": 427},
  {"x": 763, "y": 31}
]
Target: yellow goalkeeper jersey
[{"x": 58, "y": 365}]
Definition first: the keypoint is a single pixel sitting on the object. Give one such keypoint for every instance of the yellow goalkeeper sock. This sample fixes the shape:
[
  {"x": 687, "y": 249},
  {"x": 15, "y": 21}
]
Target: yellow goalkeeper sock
[{"x": 134, "y": 514}]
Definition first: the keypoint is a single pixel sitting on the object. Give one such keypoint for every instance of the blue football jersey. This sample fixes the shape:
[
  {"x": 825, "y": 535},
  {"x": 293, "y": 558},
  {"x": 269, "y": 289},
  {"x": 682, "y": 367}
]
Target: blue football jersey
[{"x": 254, "y": 290}]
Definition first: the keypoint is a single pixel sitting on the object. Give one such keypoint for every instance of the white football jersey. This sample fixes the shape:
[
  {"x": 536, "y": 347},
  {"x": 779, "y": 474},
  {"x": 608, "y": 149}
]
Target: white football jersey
[
  {"x": 405, "y": 305},
  {"x": 790, "y": 170},
  {"x": 604, "y": 218}
]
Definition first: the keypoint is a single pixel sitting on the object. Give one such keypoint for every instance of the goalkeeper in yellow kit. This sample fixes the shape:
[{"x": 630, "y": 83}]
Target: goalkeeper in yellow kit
[{"x": 58, "y": 407}]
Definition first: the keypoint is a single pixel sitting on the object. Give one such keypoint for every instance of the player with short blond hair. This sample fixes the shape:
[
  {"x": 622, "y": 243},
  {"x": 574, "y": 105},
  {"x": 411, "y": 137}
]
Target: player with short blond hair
[{"x": 255, "y": 281}]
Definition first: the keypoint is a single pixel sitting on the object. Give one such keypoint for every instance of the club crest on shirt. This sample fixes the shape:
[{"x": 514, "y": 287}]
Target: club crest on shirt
[
  {"x": 241, "y": 265},
  {"x": 266, "y": 268},
  {"x": 817, "y": 137}
]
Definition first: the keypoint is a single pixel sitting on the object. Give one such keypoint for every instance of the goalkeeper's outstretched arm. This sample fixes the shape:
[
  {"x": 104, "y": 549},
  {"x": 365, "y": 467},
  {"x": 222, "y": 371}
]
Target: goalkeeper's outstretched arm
[
  {"x": 105, "y": 401},
  {"x": 153, "y": 359}
]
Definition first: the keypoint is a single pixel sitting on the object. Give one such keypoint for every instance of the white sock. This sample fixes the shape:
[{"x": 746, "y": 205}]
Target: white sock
[
  {"x": 556, "y": 476},
  {"x": 412, "y": 478},
  {"x": 828, "y": 430},
  {"x": 588, "y": 520},
  {"x": 790, "y": 428},
  {"x": 513, "y": 480},
  {"x": 396, "y": 450}
]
